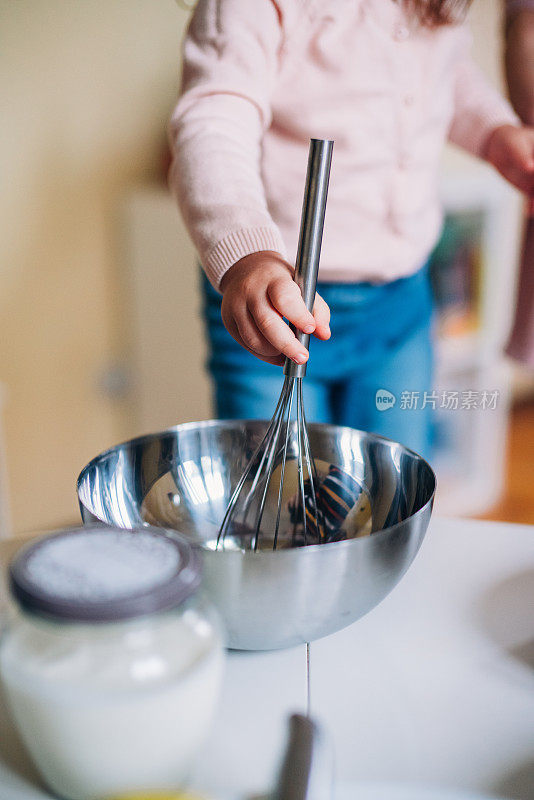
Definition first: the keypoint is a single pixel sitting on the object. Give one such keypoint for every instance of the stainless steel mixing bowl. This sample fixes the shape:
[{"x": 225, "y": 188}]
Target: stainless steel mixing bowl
[{"x": 182, "y": 479}]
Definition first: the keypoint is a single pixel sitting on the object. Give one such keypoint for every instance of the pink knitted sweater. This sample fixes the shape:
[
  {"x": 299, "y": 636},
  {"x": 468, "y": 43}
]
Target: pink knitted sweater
[{"x": 263, "y": 76}]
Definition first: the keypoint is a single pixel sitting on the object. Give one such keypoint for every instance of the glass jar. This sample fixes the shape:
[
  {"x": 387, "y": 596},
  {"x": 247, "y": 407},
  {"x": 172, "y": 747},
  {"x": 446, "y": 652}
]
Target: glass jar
[{"x": 112, "y": 661}]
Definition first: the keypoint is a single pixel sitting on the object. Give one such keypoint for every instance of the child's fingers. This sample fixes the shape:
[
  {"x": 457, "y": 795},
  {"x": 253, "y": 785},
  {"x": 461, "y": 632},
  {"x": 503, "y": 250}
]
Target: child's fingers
[
  {"x": 253, "y": 338},
  {"x": 277, "y": 360},
  {"x": 285, "y": 296},
  {"x": 321, "y": 312},
  {"x": 519, "y": 159},
  {"x": 521, "y": 151},
  {"x": 275, "y": 330}
]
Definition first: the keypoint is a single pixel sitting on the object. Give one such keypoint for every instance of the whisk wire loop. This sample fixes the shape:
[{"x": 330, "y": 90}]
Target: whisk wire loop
[
  {"x": 238, "y": 489},
  {"x": 283, "y": 469},
  {"x": 272, "y": 448},
  {"x": 300, "y": 467},
  {"x": 312, "y": 474}
]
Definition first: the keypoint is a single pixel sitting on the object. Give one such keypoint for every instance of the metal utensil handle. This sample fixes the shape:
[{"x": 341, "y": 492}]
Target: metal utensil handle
[
  {"x": 311, "y": 235},
  {"x": 295, "y": 768},
  {"x": 306, "y": 771}
]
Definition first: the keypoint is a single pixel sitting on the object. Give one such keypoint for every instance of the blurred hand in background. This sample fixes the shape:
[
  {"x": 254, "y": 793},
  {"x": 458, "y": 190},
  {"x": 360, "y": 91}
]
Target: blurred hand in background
[{"x": 511, "y": 151}]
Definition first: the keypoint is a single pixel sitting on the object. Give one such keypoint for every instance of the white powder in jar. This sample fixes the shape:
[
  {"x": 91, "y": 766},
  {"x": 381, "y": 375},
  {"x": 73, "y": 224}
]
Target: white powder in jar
[{"x": 96, "y": 566}]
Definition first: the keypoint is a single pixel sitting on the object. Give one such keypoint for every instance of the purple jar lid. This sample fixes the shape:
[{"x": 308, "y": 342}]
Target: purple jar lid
[{"x": 103, "y": 574}]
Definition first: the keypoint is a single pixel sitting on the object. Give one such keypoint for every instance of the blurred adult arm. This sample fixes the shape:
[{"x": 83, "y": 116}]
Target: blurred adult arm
[
  {"x": 519, "y": 56},
  {"x": 519, "y": 69}
]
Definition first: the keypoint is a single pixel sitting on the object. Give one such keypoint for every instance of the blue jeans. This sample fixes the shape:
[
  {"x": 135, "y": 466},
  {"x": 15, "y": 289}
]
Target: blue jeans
[{"x": 381, "y": 340}]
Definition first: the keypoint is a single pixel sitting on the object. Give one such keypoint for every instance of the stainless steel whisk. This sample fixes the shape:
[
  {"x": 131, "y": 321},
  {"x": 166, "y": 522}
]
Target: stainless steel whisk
[{"x": 273, "y": 449}]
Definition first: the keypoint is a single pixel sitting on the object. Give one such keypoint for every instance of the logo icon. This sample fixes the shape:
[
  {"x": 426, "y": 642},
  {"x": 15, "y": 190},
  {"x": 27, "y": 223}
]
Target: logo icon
[{"x": 384, "y": 400}]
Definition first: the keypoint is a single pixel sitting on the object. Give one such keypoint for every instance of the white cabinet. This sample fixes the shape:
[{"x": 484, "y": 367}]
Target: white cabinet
[{"x": 474, "y": 272}]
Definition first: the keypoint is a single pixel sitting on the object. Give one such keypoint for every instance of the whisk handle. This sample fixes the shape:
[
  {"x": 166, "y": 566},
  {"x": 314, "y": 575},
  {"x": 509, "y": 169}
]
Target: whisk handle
[
  {"x": 307, "y": 768},
  {"x": 311, "y": 235}
]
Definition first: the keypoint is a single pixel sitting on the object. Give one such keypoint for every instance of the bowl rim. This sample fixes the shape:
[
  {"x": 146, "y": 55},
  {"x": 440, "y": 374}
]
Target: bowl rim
[{"x": 229, "y": 423}]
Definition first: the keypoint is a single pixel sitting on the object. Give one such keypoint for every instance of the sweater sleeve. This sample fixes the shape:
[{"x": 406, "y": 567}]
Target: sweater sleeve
[
  {"x": 478, "y": 107},
  {"x": 230, "y": 63}
]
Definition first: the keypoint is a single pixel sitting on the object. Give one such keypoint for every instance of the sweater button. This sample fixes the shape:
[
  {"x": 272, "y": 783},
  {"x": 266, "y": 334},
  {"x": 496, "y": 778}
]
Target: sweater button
[
  {"x": 408, "y": 100},
  {"x": 400, "y": 33}
]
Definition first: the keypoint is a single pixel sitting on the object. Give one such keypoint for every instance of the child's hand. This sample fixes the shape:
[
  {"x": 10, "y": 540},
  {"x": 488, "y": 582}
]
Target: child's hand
[
  {"x": 511, "y": 151},
  {"x": 257, "y": 292}
]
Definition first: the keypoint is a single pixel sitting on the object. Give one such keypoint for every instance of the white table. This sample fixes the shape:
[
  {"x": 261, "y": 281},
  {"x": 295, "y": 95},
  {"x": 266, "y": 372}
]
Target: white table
[{"x": 435, "y": 687}]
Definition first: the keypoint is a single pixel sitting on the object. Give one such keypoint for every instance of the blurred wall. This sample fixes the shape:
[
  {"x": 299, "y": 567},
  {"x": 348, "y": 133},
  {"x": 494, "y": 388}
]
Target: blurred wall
[{"x": 87, "y": 86}]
